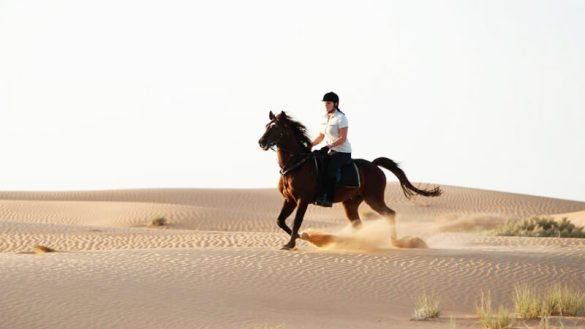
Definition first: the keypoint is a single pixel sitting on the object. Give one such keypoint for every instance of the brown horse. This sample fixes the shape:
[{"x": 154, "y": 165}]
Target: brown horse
[{"x": 299, "y": 185}]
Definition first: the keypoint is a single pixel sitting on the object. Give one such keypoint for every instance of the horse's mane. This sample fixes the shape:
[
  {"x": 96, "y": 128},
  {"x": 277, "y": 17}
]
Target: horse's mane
[{"x": 299, "y": 131}]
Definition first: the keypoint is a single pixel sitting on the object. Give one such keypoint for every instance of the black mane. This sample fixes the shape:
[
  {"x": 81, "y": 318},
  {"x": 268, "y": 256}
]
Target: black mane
[{"x": 299, "y": 131}]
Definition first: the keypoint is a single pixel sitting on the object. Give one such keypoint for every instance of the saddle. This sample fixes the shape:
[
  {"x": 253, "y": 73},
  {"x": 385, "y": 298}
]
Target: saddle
[{"x": 347, "y": 176}]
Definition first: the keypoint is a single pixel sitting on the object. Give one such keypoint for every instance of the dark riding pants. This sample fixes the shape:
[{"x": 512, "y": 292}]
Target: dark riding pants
[{"x": 335, "y": 160}]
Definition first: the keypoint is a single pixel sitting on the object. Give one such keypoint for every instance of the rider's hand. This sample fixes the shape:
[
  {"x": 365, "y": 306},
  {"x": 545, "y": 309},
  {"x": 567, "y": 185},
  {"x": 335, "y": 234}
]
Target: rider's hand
[{"x": 324, "y": 149}]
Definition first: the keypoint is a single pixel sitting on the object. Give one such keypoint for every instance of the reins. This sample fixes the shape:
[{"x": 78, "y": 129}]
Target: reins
[
  {"x": 286, "y": 169},
  {"x": 290, "y": 164}
]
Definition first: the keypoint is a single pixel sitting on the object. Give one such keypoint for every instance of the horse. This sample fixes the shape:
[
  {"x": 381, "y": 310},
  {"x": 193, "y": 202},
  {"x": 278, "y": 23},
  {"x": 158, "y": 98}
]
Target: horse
[{"x": 299, "y": 184}]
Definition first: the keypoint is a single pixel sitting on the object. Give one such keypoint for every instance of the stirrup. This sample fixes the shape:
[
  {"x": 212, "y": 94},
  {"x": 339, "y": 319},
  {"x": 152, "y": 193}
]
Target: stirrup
[{"x": 323, "y": 202}]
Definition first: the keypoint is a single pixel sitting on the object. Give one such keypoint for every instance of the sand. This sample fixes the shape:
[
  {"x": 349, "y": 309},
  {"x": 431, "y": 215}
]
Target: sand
[{"x": 217, "y": 263}]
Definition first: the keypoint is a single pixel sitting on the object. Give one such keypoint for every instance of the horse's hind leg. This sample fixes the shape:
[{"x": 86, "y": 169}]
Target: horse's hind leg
[
  {"x": 378, "y": 205},
  {"x": 351, "y": 210}
]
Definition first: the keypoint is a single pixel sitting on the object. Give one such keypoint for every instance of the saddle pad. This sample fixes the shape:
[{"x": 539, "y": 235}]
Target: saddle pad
[
  {"x": 347, "y": 176},
  {"x": 350, "y": 175}
]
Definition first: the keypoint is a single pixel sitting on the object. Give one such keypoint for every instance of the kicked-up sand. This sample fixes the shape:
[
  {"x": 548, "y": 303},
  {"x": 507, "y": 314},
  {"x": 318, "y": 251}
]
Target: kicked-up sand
[{"x": 214, "y": 262}]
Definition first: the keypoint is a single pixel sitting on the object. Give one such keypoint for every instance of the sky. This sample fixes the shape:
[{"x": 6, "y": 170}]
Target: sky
[{"x": 139, "y": 94}]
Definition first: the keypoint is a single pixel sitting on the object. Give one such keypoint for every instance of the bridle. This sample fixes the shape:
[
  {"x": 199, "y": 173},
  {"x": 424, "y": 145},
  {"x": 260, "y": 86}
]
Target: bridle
[
  {"x": 287, "y": 167},
  {"x": 274, "y": 145}
]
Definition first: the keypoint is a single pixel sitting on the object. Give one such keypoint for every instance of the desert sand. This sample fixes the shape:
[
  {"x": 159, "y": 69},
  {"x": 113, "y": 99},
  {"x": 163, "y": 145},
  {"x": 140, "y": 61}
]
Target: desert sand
[{"x": 217, "y": 263}]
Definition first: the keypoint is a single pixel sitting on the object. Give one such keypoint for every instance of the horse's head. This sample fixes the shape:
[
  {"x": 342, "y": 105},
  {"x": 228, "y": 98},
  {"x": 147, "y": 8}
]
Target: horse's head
[{"x": 275, "y": 130}]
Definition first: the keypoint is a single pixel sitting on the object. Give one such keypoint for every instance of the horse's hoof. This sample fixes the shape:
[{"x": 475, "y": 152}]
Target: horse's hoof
[{"x": 287, "y": 247}]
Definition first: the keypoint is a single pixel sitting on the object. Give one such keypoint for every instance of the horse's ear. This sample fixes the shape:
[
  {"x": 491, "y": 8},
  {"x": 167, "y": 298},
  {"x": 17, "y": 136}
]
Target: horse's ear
[
  {"x": 271, "y": 116},
  {"x": 282, "y": 115}
]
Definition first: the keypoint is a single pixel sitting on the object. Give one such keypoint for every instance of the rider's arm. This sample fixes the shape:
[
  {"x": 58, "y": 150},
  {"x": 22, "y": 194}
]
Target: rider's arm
[
  {"x": 342, "y": 138},
  {"x": 318, "y": 140}
]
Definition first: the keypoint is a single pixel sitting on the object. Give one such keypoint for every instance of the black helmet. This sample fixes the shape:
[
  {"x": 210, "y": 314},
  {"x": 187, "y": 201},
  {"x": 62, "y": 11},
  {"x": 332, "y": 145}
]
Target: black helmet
[{"x": 331, "y": 97}]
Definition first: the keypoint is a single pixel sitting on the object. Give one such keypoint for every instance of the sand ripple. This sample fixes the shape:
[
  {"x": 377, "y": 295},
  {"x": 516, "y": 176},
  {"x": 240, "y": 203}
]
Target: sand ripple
[{"x": 217, "y": 263}]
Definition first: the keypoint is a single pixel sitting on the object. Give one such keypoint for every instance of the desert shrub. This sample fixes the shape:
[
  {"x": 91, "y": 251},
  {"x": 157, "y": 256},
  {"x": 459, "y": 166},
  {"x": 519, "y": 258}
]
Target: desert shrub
[
  {"x": 158, "y": 221},
  {"x": 490, "y": 319},
  {"x": 426, "y": 307},
  {"x": 541, "y": 227}
]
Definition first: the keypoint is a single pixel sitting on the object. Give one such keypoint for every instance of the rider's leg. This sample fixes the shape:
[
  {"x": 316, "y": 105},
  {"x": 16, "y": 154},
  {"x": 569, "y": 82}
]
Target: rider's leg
[{"x": 336, "y": 161}]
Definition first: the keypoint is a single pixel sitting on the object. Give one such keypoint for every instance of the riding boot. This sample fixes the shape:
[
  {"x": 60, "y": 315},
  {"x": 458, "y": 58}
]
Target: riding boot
[
  {"x": 326, "y": 199},
  {"x": 330, "y": 189}
]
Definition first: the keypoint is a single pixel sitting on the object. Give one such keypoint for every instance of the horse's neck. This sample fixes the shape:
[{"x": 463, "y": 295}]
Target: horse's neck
[{"x": 288, "y": 152}]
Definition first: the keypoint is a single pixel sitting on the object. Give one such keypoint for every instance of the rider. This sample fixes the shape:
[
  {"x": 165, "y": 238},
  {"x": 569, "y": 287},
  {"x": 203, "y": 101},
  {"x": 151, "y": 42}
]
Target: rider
[{"x": 338, "y": 149}]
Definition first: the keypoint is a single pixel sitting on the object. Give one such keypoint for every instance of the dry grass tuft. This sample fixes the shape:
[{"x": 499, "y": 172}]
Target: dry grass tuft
[
  {"x": 560, "y": 300},
  {"x": 158, "y": 222},
  {"x": 556, "y": 300},
  {"x": 426, "y": 307},
  {"x": 490, "y": 319},
  {"x": 527, "y": 302}
]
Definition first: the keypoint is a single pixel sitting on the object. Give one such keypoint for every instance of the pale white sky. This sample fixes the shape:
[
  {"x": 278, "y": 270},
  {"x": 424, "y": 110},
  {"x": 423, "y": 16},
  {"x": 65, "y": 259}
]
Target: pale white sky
[{"x": 124, "y": 94}]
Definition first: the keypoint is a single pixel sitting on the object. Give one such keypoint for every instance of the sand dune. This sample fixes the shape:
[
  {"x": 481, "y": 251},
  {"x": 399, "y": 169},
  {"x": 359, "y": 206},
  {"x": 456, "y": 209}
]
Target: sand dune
[{"x": 217, "y": 263}]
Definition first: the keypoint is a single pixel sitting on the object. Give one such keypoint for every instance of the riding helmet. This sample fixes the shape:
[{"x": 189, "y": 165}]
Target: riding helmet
[{"x": 331, "y": 97}]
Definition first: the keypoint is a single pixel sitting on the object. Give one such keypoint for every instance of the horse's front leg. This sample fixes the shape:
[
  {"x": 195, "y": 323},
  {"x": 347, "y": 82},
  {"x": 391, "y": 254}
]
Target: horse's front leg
[
  {"x": 287, "y": 208},
  {"x": 301, "y": 209}
]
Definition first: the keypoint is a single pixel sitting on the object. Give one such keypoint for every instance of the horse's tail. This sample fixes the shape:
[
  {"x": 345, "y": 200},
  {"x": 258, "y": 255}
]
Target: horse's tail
[{"x": 407, "y": 187}]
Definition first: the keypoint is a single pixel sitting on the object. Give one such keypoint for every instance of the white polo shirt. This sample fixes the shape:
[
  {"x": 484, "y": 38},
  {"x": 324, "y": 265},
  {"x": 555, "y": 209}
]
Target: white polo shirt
[{"x": 330, "y": 128}]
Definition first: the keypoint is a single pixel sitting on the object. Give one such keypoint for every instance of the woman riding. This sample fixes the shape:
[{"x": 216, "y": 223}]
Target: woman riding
[{"x": 337, "y": 148}]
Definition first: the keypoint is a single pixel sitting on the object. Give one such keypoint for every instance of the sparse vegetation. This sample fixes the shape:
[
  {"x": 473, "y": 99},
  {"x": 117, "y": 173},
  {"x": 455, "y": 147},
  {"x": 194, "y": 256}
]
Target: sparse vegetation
[
  {"x": 556, "y": 300},
  {"x": 426, "y": 307},
  {"x": 490, "y": 319},
  {"x": 527, "y": 303},
  {"x": 158, "y": 222},
  {"x": 541, "y": 227},
  {"x": 40, "y": 249},
  {"x": 560, "y": 300},
  {"x": 530, "y": 302}
]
